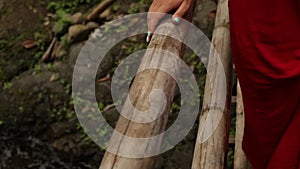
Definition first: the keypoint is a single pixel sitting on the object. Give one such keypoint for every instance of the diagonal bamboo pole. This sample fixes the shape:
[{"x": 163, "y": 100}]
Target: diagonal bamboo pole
[
  {"x": 211, "y": 153},
  {"x": 139, "y": 92}
]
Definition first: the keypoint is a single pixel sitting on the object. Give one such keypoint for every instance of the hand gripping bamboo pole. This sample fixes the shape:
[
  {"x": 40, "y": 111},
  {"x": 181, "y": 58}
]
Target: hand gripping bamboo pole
[{"x": 211, "y": 152}]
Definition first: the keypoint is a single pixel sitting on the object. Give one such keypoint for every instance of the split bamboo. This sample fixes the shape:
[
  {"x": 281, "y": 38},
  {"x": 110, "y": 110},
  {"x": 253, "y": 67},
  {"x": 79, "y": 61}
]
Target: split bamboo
[
  {"x": 211, "y": 153},
  {"x": 240, "y": 160},
  {"x": 139, "y": 92}
]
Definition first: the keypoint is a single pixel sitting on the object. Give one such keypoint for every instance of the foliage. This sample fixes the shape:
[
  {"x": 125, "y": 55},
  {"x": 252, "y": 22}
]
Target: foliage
[
  {"x": 7, "y": 85},
  {"x": 69, "y": 6},
  {"x": 4, "y": 44},
  {"x": 37, "y": 68},
  {"x": 2, "y": 75},
  {"x": 230, "y": 158},
  {"x": 133, "y": 9},
  {"x": 62, "y": 21},
  {"x": 232, "y": 128},
  {"x": 40, "y": 40}
]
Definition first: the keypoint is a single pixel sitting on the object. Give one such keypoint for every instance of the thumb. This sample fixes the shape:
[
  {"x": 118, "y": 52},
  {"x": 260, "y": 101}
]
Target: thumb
[{"x": 153, "y": 18}]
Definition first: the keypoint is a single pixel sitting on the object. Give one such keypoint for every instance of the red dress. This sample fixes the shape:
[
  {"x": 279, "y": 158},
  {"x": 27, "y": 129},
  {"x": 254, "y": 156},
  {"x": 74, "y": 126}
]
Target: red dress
[{"x": 265, "y": 38}]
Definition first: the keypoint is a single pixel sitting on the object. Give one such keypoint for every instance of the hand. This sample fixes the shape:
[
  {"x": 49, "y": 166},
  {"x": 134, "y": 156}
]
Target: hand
[{"x": 165, "y": 6}]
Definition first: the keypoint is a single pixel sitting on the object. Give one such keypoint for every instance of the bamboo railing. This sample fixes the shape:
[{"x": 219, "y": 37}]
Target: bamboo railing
[{"x": 210, "y": 151}]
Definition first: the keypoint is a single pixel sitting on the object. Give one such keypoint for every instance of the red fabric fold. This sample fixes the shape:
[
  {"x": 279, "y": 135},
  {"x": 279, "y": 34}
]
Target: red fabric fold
[{"x": 265, "y": 37}]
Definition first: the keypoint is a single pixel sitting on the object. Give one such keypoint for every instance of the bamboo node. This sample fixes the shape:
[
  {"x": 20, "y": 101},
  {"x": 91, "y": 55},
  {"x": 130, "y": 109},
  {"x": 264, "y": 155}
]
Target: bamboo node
[{"x": 223, "y": 25}]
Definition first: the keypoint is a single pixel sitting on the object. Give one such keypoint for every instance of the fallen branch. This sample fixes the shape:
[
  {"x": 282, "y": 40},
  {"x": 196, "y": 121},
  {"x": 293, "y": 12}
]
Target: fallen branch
[
  {"x": 48, "y": 54},
  {"x": 99, "y": 9}
]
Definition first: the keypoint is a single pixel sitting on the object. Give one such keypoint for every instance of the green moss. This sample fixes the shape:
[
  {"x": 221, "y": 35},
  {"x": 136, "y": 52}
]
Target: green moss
[
  {"x": 230, "y": 158},
  {"x": 7, "y": 85},
  {"x": 133, "y": 9},
  {"x": 4, "y": 45},
  {"x": 2, "y": 75},
  {"x": 69, "y": 6}
]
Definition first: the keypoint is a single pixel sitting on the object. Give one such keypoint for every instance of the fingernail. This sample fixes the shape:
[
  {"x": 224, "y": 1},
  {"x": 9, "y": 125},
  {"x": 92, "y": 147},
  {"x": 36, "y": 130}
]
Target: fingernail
[
  {"x": 148, "y": 36},
  {"x": 176, "y": 20}
]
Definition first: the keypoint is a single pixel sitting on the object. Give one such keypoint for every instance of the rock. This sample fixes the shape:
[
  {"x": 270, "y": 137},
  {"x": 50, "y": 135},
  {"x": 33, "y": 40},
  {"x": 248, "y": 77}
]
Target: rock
[
  {"x": 106, "y": 64},
  {"x": 61, "y": 128},
  {"x": 60, "y": 50},
  {"x": 67, "y": 144},
  {"x": 74, "y": 52},
  {"x": 75, "y": 146},
  {"x": 202, "y": 18},
  {"x": 102, "y": 92},
  {"x": 183, "y": 159},
  {"x": 105, "y": 14},
  {"x": 111, "y": 116},
  {"x": 78, "y": 33},
  {"x": 159, "y": 163},
  {"x": 64, "y": 70},
  {"x": 92, "y": 25},
  {"x": 77, "y": 18},
  {"x": 11, "y": 70},
  {"x": 36, "y": 100},
  {"x": 61, "y": 26},
  {"x": 133, "y": 22},
  {"x": 67, "y": 17},
  {"x": 1, "y": 4}
]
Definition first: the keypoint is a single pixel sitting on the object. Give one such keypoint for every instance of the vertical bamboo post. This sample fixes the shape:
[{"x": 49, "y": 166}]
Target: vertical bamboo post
[
  {"x": 139, "y": 92},
  {"x": 211, "y": 154},
  {"x": 240, "y": 160}
]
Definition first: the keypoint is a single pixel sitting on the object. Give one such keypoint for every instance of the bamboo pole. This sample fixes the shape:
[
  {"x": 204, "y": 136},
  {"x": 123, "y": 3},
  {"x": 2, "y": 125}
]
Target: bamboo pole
[
  {"x": 139, "y": 92},
  {"x": 211, "y": 153},
  {"x": 240, "y": 160}
]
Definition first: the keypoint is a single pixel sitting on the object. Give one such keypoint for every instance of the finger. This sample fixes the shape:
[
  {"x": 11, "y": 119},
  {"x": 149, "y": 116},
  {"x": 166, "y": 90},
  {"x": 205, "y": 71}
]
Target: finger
[
  {"x": 181, "y": 11},
  {"x": 156, "y": 13}
]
